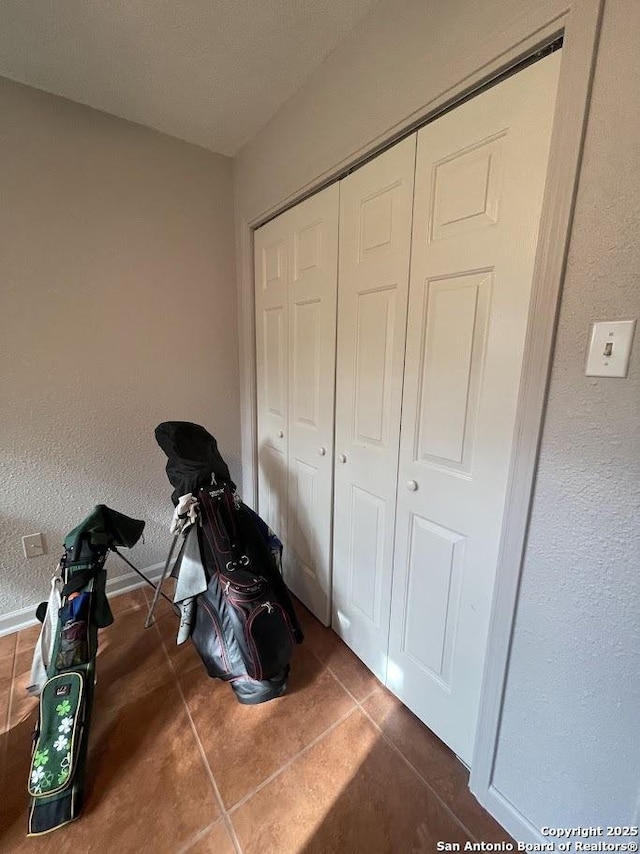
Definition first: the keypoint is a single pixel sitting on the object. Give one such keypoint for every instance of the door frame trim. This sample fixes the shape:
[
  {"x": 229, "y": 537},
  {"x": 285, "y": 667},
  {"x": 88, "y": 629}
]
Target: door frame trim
[{"x": 578, "y": 22}]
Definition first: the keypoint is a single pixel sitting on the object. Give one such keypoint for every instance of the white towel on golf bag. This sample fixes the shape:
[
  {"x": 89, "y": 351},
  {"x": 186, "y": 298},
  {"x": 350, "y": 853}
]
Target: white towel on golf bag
[
  {"x": 44, "y": 645},
  {"x": 191, "y": 581}
]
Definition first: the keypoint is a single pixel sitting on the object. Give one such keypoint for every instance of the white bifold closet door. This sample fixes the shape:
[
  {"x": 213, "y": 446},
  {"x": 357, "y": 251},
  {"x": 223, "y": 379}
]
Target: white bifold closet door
[
  {"x": 480, "y": 179},
  {"x": 375, "y": 234},
  {"x": 296, "y": 279},
  {"x": 271, "y": 258}
]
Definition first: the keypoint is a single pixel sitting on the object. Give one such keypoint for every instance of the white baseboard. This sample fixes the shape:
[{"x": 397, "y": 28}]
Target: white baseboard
[
  {"x": 506, "y": 814},
  {"x": 25, "y": 617},
  {"x": 131, "y": 581}
]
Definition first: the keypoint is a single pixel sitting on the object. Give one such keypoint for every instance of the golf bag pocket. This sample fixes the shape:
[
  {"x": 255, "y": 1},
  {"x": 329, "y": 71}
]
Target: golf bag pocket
[
  {"x": 59, "y": 734},
  {"x": 210, "y": 641},
  {"x": 269, "y": 634},
  {"x": 73, "y": 621}
]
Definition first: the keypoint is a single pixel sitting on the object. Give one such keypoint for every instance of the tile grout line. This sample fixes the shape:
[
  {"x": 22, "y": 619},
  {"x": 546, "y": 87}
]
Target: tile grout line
[
  {"x": 290, "y": 761},
  {"x": 427, "y": 785},
  {"x": 386, "y": 738},
  {"x": 307, "y": 747},
  {"x": 224, "y": 814},
  {"x": 198, "y": 836},
  {"x": 394, "y": 746},
  {"x": 327, "y": 667}
]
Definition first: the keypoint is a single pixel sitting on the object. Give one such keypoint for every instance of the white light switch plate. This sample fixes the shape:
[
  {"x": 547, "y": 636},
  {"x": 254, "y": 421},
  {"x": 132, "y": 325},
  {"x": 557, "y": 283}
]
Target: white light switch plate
[
  {"x": 610, "y": 348},
  {"x": 33, "y": 545}
]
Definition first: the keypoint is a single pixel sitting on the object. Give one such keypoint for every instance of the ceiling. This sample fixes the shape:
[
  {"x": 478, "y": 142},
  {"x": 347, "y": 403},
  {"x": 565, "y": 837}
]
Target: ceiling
[{"x": 208, "y": 71}]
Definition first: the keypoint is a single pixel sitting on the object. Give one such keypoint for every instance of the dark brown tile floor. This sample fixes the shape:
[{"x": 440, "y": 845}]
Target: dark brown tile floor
[{"x": 176, "y": 764}]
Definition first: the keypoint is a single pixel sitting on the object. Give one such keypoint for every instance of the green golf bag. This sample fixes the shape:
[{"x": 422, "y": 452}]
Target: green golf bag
[{"x": 64, "y": 665}]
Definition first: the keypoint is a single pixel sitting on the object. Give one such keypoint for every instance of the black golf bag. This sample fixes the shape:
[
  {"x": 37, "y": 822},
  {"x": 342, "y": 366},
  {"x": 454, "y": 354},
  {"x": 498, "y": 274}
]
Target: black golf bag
[
  {"x": 63, "y": 671},
  {"x": 241, "y": 620}
]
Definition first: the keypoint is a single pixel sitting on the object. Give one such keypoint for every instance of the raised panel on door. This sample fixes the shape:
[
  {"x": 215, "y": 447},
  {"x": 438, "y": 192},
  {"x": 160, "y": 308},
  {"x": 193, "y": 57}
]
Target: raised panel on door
[
  {"x": 375, "y": 349},
  {"x": 273, "y": 494},
  {"x": 375, "y": 232},
  {"x": 432, "y": 597},
  {"x": 272, "y": 319},
  {"x": 313, "y": 265},
  {"x": 453, "y": 318},
  {"x": 480, "y": 177}
]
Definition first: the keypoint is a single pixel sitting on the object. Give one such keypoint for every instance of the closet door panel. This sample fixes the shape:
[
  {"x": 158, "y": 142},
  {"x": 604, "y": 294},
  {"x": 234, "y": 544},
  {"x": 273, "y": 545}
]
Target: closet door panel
[
  {"x": 480, "y": 179},
  {"x": 313, "y": 264},
  {"x": 375, "y": 232},
  {"x": 271, "y": 260}
]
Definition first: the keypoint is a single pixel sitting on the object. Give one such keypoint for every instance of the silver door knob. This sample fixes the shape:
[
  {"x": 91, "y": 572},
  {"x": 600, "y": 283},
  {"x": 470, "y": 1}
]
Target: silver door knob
[
  {"x": 343, "y": 458},
  {"x": 322, "y": 450},
  {"x": 280, "y": 434},
  {"x": 412, "y": 485}
]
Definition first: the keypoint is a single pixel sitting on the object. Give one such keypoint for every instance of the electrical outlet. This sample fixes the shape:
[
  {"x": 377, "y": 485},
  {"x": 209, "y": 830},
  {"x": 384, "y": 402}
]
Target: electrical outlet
[{"x": 32, "y": 545}]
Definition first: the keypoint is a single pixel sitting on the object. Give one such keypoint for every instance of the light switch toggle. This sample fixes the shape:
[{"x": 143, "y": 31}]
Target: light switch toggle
[{"x": 610, "y": 348}]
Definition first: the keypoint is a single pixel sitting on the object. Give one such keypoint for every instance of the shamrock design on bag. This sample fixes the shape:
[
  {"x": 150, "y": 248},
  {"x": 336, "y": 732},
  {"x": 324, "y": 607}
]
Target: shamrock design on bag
[
  {"x": 41, "y": 758},
  {"x": 37, "y": 777},
  {"x": 61, "y": 743},
  {"x": 63, "y": 708},
  {"x": 65, "y": 725},
  {"x": 40, "y": 778},
  {"x": 64, "y": 768}
]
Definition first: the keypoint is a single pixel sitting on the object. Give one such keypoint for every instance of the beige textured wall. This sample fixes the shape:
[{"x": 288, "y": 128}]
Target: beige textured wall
[
  {"x": 117, "y": 311},
  {"x": 569, "y": 751}
]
